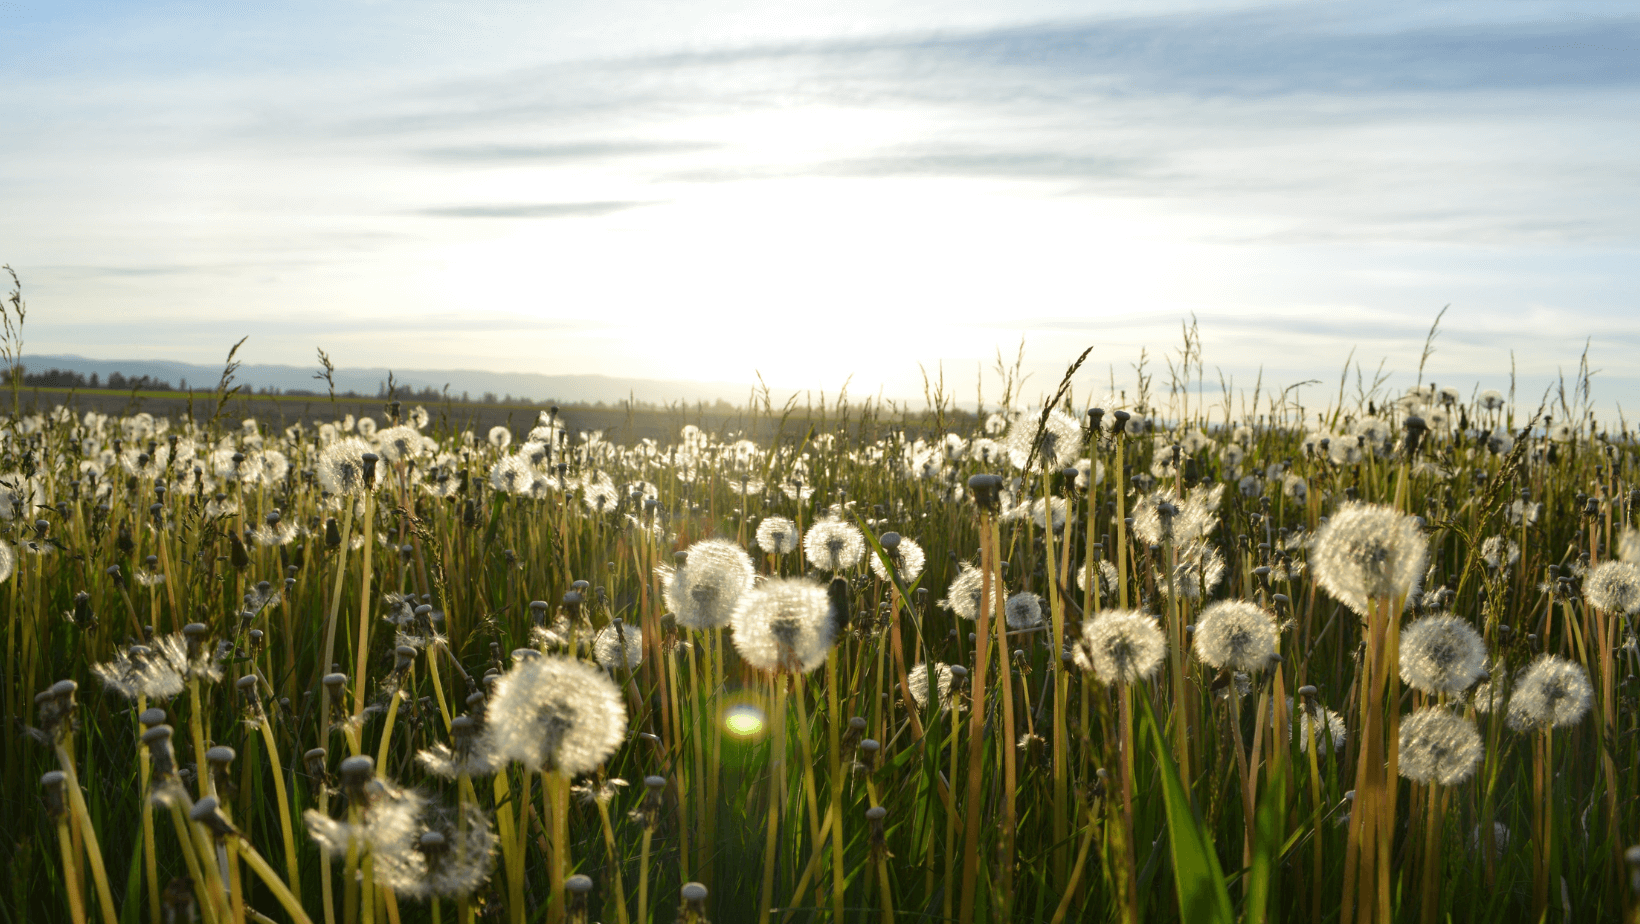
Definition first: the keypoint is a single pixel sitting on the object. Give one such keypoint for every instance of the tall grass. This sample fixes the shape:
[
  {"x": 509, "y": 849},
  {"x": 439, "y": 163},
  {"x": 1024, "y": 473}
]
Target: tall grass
[{"x": 1028, "y": 791}]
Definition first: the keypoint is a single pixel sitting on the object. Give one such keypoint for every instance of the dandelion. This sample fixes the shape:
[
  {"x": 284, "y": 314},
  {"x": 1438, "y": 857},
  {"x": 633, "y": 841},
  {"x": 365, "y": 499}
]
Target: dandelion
[
  {"x": 1024, "y": 611},
  {"x": 1039, "y": 512},
  {"x": 554, "y": 714},
  {"x": 917, "y": 682},
  {"x": 833, "y": 545},
  {"x": 1328, "y": 728},
  {"x": 1367, "y": 552},
  {"x": 140, "y": 671},
  {"x": 1107, "y": 577},
  {"x": 1053, "y": 443},
  {"x": 1614, "y": 586},
  {"x": 398, "y": 444},
  {"x": 963, "y": 596},
  {"x": 1499, "y": 552},
  {"x": 787, "y": 624},
  {"x": 1442, "y": 654},
  {"x": 778, "y": 535},
  {"x": 513, "y": 475},
  {"x": 1237, "y": 635},
  {"x": 8, "y": 561},
  {"x": 1628, "y": 547},
  {"x": 1199, "y": 570},
  {"x": 703, "y": 590},
  {"x": 1552, "y": 692},
  {"x": 465, "y": 754},
  {"x": 1439, "y": 747},
  {"x": 1523, "y": 512},
  {"x": 341, "y": 468},
  {"x": 1121, "y": 646},
  {"x": 618, "y": 645},
  {"x": 906, "y": 554}
]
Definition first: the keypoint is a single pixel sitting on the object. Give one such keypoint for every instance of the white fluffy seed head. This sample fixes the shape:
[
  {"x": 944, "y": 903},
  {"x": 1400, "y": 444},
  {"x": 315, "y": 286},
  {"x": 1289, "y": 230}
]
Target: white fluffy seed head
[
  {"x": 1328, "y": 729},
  {"x": 917, "y": 680},
  {"x": 554, "y": 713},
  {"x": 963, "y": 597},
  {"x": 1442, "y": 654},
  {"x": 615, "y": 648},
  {"x": 1054, "y": 444},
  {"x": 1499, "y": 552},
  {"x": 704, "y": 591},
  {"x": 777, "y": 536},
  {"x": 786, "y": 624},
  {"x": 341, "y": 468},
  {"x": 1238, "y": 635},
  {"x": 1552, "y": 692},
  {"x": 1438, "y": 746},
  {"x": 908, "y": 557},
  {"x": 1367, "y": 552},
  {"x": 1614, "y": 586},
  {"x": 1121, "y": 646},
  {"x": 833, "y": 545},
  {"x": 1024, "y": 610},
  {"x": 1198, "y": 572}
]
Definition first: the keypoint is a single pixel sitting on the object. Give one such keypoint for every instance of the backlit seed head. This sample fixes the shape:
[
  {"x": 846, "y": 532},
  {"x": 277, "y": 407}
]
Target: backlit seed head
[
  {"x": 1121, "y": 646},
  {"x": 1614, "y": 586},
  {"x": 1551, "y": 693},
  {"x": 833, "y": 545},
  {"x": 917, "y": 681},
  {"x": 1442, "y": 654},
  {"x": 703, "y": 590},
  {"x": 963, "y": 596},
  {"x": 554, "y": 713},
  {"x": 908, "y": 558},
  {"x": 1367, "y": 552},
  {"x": 1238, "y": 635},
  {"x": 1438, "y": 746},
  {"x": 1024, "y": 611},
  {"x": 787, "y": 624},
  {"x": 777, "y": 536}
]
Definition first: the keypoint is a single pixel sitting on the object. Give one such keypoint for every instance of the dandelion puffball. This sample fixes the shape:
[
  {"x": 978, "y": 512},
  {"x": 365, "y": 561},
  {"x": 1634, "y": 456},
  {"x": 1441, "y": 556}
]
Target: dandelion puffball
[
  {"x": 785, "y": 625},
  {"x": 1121, "y": 646},
  {"x": 1368, "y": 552},
  {"x": 1238, "y": 635},
  {"x": 1438, "y": 746}
]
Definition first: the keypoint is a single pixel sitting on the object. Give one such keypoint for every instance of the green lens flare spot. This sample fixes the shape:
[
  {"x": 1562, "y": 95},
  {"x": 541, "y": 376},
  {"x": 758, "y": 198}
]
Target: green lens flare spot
[{"x": 744, "y": 721}]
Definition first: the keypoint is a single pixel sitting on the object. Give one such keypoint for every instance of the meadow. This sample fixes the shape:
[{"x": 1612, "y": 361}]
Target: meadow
[{"x": 1092, "y": 655}]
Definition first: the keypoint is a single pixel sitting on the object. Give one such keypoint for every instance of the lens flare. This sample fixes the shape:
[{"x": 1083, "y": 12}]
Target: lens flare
[{"x": 744, "y": 721}]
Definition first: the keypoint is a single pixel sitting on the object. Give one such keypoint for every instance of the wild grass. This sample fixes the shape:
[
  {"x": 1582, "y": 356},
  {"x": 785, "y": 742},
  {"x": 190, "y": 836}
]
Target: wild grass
[{"x": 1033, "y": 789}]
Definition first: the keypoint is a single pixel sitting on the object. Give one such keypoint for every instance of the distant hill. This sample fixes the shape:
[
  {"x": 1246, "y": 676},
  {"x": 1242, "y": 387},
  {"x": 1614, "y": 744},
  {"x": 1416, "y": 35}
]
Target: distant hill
[{"x": 475, "y": 384}]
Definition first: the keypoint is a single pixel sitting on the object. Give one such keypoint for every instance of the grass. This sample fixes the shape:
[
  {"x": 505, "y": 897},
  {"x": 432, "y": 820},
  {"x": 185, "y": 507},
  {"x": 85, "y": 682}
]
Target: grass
[{"x": 1031, "y": 791}]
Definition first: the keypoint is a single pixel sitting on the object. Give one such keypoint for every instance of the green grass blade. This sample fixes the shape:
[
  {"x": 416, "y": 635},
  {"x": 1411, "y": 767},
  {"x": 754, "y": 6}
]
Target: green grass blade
[{"x": 1203, "y": 898}]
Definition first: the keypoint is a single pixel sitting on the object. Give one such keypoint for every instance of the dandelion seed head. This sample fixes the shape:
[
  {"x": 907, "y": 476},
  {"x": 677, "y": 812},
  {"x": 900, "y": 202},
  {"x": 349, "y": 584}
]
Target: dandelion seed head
[
  {"x": 787, "y": 624},
  {"x": 617, "y": 648},
  {"x": 1023, "y": 610},
  {"x": 1121, "y": 646},
  {"x": 1551, "y": 693},
  {"x": 341, "y": 468},
  {"x": 1199, "y": 570},
  {"x": 1368, "y": 551},
  {"x": 1054, "y": 443},
  {"x": 1614, "y": 586},
  {"x": 777, "y": 536},
  {"x": 917, "y": 683},
  {"x": 1438, "y": 746},
  {"x": 1328, "y": 729},
  {"x": 704, "y": 591},
  {"x": 963, "y": 596},
  {"x": 1442, "y": 654},
  {"x": 833, "y": 545},
  {"x": 554, "y": 713},
  {"x": 1499, "y": 552},
  {"x": 1107, "y": 577},
  {"x": 909, "y": 560},
  {"x": 1237, "y": 634}
]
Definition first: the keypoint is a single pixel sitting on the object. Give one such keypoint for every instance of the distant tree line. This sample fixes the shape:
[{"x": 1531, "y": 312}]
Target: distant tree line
[
  {"x": 64, "y": 378},
  {"x": 117, "y": 381}
]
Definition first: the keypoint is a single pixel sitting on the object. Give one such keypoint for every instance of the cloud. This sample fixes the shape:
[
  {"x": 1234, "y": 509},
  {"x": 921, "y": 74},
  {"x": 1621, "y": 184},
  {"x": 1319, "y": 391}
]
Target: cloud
[
  {"x": 516, "y": 154},
  {"x": 532, "y": 210}
]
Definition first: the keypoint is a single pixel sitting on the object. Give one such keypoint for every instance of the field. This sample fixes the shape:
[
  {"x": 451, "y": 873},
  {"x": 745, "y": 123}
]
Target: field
[{"x": 1092, "y": 657}]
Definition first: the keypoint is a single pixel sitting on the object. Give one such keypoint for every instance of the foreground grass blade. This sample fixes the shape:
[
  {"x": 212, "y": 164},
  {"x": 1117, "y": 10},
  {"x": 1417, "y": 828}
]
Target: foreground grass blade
[{"x": 1203, "y": 898}]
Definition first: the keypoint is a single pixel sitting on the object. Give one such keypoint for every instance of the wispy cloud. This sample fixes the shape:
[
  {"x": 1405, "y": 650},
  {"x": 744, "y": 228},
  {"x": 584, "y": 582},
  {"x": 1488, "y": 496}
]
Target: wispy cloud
[{"x": 532, "y": 210}]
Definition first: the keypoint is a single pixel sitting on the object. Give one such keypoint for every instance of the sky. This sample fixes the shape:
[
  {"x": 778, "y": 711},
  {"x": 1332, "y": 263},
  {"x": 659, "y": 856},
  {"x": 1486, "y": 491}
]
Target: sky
[{"x": 825, "y": 191}]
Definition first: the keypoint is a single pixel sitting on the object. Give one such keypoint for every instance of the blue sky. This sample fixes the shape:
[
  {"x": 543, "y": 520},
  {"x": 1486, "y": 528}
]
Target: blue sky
[{"x": 816, "y": 191}]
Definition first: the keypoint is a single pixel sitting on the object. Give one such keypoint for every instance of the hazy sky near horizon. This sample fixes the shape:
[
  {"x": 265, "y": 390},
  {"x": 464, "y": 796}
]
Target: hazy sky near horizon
[{"x": 820, "y": 189}]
